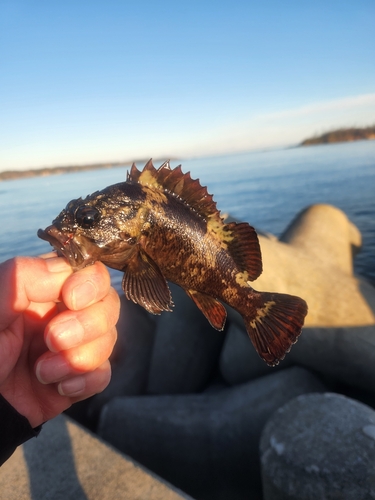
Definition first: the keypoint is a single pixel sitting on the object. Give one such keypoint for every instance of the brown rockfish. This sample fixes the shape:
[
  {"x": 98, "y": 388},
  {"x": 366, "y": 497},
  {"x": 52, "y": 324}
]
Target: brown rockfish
[{"x": 161, "y": 225}]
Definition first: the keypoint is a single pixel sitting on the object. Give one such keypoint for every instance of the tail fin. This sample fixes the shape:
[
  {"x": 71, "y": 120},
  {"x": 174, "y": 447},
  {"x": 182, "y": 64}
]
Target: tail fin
[{"x": 274, "y": 324}]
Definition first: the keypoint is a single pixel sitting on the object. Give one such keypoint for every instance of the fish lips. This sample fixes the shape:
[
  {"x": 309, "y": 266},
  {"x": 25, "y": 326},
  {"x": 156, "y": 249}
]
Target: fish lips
[{"x": 66, "y": 246}]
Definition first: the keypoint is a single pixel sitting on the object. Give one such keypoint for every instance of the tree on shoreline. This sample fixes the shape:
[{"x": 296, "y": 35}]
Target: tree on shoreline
[{"x": 341, "y": 135}]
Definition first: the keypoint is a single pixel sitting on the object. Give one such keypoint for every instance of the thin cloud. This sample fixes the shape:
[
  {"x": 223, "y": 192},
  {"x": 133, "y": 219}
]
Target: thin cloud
[
  {"x": 322, "y": 107},
  {"x": 286, "y": 127}
]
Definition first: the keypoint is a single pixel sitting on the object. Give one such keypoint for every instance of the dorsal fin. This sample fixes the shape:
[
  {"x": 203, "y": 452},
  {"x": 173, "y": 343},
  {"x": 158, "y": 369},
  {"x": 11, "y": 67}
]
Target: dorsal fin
[{"x": 175, "y": 182}]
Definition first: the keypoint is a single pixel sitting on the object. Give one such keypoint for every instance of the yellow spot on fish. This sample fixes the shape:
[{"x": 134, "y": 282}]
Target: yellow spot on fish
[
  {"x": 154, "y": 194},
  {"x": 242, "y": 279},
  {"x": 261, "y": 313},
  {"x": 148, "y": 179},
  {"x": 146, "y": 227},
  {"x": 133, "y": 226},
  {"x": 142, "y": 215},
  {"x": 217, "y": 229}
]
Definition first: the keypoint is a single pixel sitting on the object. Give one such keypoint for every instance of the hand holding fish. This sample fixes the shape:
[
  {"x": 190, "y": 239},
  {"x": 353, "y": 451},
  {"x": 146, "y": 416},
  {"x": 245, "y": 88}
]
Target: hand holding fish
[
  {"x": 57, "y": 330},
  {"x": 161, "y": 225}
]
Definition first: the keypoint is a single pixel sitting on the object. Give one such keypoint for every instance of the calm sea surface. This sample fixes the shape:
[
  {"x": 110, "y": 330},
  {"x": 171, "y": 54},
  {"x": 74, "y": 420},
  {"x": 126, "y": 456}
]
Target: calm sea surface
[{"x": 267, "y": 189}]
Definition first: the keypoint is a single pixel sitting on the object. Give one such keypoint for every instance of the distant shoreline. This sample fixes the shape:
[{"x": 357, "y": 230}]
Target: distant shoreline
[
  {"x": 341, "y": 135},
  {"x": 44, "y": 171}
]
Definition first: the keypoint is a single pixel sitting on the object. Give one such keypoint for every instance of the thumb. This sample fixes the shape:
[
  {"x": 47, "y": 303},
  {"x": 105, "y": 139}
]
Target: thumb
[{"x": 29, "y": 279}]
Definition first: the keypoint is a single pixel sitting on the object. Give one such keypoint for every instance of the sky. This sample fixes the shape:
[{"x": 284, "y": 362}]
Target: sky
[{"x": 100, "y": 81}]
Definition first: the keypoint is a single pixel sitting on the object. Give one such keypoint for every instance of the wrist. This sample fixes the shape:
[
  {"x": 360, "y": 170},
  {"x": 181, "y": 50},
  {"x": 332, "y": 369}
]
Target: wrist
[{"x": 15, "y": 429}]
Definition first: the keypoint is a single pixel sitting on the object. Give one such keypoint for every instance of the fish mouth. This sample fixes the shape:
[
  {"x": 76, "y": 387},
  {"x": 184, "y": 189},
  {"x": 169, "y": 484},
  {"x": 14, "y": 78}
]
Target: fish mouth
[{"x": 66, "y": 246}]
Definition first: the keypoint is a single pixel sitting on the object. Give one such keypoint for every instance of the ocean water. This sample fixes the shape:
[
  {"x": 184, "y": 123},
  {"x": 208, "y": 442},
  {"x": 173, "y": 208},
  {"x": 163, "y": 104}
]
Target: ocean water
[{"x": 267, "y": 189}]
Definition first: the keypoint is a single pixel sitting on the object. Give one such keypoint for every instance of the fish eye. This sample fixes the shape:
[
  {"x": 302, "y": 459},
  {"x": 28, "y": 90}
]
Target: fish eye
[{"x": 86, "y": 216}]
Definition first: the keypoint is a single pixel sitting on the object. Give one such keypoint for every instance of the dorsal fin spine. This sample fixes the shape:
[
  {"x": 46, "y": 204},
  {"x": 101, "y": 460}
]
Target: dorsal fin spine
[
  {"x": 165, "y": 165},
  {"x": 181, "y": 185}
]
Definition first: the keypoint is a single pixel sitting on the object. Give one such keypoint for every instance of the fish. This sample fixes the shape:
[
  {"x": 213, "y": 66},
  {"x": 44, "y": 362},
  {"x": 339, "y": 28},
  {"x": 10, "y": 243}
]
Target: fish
[{"x": 161, "y": 226}]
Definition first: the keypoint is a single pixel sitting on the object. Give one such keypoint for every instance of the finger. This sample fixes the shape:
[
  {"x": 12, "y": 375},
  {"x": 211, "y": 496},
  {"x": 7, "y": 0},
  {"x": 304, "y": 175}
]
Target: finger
[
  {"x": 51, "y": 368},
  {"x": 87, "y": 286},
  {"x": 84, "y": 386},
  {"x": 30, "y": 279},
  {"x": 71, "y": 328}
]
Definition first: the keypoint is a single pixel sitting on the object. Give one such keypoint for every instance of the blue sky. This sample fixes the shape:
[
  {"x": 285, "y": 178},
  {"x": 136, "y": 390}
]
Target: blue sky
[{"x": 90, "y": 81}]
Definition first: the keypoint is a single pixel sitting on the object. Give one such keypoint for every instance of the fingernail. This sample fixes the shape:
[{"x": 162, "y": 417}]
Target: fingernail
[
  {"x": 52, "y": 370},
  {"x": 83, "y": 295},
  {"x": 72, "y": 387},
  {"x": 64, "y": 335},
  {"x": 57, "y": 265}
]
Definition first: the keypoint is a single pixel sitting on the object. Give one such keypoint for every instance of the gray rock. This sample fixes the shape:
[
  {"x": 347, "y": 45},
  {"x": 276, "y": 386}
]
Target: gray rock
[
  {"x": 67, "y": 463},
  {"x": 319, "y": 446},
  {"x": 326, "y": 232},
  {"x": 186, "y": 349},
  {"x": 206, "y": 444},
  {"x": 346, "y": 354},
  {"x": 239, "y": 362},
  {"x": 314, "y": 260}
]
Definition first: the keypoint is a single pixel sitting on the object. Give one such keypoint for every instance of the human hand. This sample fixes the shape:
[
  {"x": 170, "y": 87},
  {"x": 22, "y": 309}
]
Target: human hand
[{"x": 57, "y": 331}]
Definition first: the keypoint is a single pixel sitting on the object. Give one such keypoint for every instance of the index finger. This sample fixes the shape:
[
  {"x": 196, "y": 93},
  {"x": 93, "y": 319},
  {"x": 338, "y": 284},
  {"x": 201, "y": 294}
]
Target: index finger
[
  {"x": 26, "y": 280},
  {"x": 87, "y": 286}
]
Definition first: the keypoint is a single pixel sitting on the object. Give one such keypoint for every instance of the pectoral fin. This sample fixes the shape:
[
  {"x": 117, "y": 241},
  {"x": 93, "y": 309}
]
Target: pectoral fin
[
  {"x": 144, "y": 284},
  {"x": 213, "y": 309}
]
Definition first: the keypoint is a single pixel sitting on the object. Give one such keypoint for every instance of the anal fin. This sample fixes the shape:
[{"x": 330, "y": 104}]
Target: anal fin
[{"x": 213, "y": 309}]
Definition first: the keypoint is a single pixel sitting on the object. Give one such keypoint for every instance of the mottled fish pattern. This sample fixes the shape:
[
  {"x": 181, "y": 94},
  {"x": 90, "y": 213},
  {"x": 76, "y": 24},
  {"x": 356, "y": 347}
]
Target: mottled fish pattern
[{"x": 161, "y": 225}]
